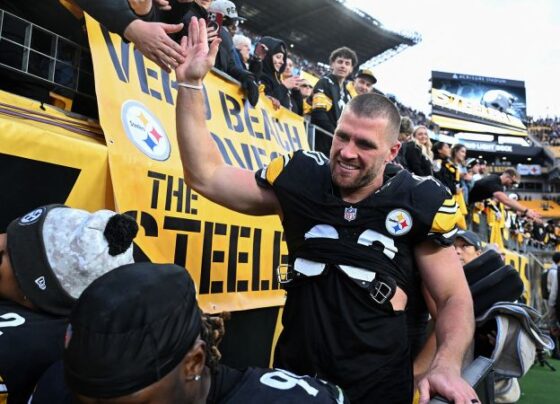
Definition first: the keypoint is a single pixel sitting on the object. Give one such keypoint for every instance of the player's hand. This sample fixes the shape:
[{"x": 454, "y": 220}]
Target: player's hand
[
  {"x": 447, "y": 383},
  {"x": 153, "y": 41},
  {"x": 199, "y": 56}
]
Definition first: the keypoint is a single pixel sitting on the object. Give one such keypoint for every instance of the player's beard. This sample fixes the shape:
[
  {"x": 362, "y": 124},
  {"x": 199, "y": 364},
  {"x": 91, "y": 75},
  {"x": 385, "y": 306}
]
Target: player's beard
[{"x": 365, "y": 179}]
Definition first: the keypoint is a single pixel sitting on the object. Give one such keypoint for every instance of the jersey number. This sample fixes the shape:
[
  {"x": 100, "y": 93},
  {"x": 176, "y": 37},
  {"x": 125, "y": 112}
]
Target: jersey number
[
  {"x": 283, "y": 380},
  {"x": 367, "y": 238},
  {"x": 319, "y": 157},
  {"x": 11, "y": 320}
]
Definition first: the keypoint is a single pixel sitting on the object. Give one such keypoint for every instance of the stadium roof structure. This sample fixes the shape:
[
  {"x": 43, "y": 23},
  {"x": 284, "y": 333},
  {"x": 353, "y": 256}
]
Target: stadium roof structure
[{"x": 316, "y": 27}]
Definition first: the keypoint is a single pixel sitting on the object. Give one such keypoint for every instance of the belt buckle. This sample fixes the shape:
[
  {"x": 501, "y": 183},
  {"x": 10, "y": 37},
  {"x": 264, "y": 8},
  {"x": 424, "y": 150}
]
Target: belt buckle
[
  {"x": 285, "y": 274},
  {"x": 380, "y": 291}
]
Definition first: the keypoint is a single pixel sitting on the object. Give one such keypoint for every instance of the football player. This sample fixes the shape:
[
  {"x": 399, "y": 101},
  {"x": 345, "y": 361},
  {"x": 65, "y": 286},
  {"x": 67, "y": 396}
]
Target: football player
[
  {"x": 150, "y": 344},
  {"x": 47, "y": 258},
  {"x": 356, "y": 240}
]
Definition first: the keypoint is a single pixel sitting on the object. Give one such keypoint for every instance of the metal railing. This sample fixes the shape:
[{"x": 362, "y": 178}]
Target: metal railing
[{"x": 45, "y": 56}]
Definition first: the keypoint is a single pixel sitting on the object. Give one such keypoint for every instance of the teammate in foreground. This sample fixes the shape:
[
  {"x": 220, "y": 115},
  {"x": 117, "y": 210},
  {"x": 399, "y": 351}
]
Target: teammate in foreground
[
  {"x": 137, "y": 336},
  {"x": 355, "y": 239}
]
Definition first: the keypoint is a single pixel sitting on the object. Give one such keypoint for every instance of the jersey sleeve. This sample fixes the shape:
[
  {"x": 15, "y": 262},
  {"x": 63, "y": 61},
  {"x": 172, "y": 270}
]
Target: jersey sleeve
[
  {"x": 322, "y": 97},
  {"x": 439, "y": 212},
  {"x": 267, "y": 176}
]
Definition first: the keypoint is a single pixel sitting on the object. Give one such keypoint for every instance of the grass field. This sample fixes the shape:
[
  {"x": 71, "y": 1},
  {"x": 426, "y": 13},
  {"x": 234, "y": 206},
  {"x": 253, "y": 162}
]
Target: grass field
[{"x": 541, "y": 385}]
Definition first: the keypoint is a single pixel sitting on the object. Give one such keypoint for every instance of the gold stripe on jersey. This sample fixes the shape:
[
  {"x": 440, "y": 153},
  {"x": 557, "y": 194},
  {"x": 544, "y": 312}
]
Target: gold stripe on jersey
[
  {"x": 322, "y": 101},
  {"x": 449, "y": 202},
  {"x": 449, "y": 206},
  {"x": 351, "y": 89},
  {"x": 307, "y": 107},
  {"x": 274, "y": 169},
  {"x": 445, "y": 219}
]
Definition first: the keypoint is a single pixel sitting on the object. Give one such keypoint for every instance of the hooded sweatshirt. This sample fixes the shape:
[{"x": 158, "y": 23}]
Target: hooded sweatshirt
[{"x": 270, "y": 78}]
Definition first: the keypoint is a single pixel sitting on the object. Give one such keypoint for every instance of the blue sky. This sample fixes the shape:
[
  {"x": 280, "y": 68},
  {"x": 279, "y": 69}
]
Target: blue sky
[{"x": 512, "y": 39}]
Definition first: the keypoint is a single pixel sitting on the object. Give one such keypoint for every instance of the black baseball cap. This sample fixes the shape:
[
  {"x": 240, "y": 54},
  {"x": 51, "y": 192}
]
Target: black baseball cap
[
  {"x": 130, "y": 328},
  {"x": 471, "y": 238},
  {"x": 367, "y": 73}
]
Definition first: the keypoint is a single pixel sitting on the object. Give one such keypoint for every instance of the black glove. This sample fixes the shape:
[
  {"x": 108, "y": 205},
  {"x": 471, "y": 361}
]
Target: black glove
[{"x": 250, "y": 87}]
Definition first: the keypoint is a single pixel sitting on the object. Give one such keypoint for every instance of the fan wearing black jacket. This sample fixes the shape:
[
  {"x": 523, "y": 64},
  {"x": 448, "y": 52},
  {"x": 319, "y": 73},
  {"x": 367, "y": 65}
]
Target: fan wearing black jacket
[
  {"x": 274, "y": 65},
  {"x": 416, "y": 151},
  {"x": 156, "y": 28}
]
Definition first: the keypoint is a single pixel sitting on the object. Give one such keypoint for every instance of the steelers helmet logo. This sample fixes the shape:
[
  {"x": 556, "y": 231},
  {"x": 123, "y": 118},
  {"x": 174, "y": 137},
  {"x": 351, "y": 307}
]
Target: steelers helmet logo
[
  {"x": 398, "y": 222},
  {"x": 145, "y": 131}
]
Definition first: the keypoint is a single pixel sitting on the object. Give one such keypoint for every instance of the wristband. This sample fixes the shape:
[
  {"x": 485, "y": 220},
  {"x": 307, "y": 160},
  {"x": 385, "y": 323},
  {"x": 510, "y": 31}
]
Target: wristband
[{"x": 191, "y": 86}]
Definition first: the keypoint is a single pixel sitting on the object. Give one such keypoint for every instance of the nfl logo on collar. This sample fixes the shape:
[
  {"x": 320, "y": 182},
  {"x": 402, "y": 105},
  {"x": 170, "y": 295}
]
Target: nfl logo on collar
[{"x": 350, "y": 213}]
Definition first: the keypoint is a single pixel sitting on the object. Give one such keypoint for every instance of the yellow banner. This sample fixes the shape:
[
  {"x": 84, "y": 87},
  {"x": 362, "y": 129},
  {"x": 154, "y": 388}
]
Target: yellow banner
[
  {"x": 232, "y": 257},
  {"x": 49, "y": 157},
  {"x": 520, "y": 263}
]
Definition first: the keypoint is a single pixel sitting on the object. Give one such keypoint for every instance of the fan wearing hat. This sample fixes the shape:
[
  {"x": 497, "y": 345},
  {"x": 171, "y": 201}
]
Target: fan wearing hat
[
  {"x": 47, "y": 258},
  {"x": 467, "y": 245},
  {"x": 364, "y": 81},
  {"x": 149, "y": 344},
  {"x": 231, "y": 18}
]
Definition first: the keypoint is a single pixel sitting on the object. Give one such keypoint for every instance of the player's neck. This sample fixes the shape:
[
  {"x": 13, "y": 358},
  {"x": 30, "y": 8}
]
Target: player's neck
[{"x": 359, "y": 194}]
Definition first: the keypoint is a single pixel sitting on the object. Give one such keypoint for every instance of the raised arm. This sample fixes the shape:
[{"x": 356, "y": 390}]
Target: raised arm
[
  {"x": 445, "y": 280},
  {"x": 506, "y": 200},
  {"x": 203, "y": 165}
]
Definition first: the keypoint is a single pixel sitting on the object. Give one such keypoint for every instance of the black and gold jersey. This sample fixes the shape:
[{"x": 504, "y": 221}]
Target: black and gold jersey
[
  {"x": 448, "y": 174},
  {"x": 257, "y": 385},
  {"x": 378, "y": 233},
  {"x": 333, "y": 328},
  {"x": 328, "y": 101},
  {"x": 29, "y": 343}
]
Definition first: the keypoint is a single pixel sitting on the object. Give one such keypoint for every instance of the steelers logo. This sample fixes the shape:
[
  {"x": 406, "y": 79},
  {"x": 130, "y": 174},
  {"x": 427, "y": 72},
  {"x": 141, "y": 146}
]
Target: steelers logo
[
  {"x": 145, "y": 131},
  {"x": 398, "y": 222}
]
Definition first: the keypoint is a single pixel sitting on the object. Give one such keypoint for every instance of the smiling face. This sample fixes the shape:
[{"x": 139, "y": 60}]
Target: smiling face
[
  {"x": 421, "y": 135},
  {"x": 342, "y": 67},
  {"x": 278, "y": 61},
  {"x": 363, "y": 84},
  {"x": 359, "y": 152}
]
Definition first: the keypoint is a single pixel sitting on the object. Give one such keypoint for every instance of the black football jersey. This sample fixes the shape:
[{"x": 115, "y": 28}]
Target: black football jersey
[
  {"x": 332, "y": 327},
  {"x": 29, "y": 343},
  {"x": 378, "y": 233},
  {"x": 271, "y": 386}
]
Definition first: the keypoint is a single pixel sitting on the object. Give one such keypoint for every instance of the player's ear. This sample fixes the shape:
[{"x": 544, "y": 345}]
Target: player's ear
[
  {"x": 393, "y": 151},
  {"x": 195, "y": 360}
]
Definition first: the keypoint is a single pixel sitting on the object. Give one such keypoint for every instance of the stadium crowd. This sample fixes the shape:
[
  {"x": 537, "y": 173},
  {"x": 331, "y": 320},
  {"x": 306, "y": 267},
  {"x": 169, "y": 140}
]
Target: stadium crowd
[
  {"x": 103, "y": 352},
  {"x": 545, "y": 130}
]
